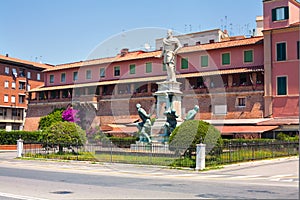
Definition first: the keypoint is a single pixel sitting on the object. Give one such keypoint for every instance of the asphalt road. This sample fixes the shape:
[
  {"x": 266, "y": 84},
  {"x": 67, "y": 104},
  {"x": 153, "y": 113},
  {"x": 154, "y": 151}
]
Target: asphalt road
[{"x": 27, "y": 179}]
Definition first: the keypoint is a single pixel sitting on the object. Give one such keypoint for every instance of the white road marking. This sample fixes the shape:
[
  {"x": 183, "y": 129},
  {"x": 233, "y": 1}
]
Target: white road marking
[{"x": 19, "y": 196}]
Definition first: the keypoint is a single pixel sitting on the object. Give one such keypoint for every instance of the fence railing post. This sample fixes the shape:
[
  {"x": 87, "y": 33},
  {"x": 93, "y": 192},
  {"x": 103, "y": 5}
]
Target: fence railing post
[
  {"x": 200, "y": 156},
  {"x": 19, "y": 148}
]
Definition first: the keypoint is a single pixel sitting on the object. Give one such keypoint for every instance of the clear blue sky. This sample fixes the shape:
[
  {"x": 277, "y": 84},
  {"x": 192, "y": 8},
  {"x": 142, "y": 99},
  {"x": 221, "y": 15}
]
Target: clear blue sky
[{"x": 62, "y": 31}]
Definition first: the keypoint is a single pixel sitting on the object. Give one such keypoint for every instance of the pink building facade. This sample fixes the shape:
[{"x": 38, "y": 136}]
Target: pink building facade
[{"x": 281, "y": 60}]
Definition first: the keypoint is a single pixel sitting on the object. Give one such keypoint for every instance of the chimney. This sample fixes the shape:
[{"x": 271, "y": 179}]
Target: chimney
[
  {"x": 259, "y": 26},
  {"x": 124, "y": 51},
  {"x": 6, "y": 55}
]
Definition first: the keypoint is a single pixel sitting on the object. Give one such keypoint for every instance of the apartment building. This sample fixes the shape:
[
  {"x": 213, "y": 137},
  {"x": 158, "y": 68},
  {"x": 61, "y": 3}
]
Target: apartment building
[{"x": 17, "y": 78}]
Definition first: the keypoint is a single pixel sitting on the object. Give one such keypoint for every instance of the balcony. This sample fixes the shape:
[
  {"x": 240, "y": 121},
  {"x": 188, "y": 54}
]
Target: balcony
[{"x": 232, "y": 89}]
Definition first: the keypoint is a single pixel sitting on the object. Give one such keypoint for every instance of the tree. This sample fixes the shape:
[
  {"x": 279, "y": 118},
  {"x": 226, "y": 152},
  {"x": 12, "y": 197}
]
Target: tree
[
  {"x": 64, "y": 134},
  {"x": 193, "y": 132},
  {"x": 53, "y": 117}
]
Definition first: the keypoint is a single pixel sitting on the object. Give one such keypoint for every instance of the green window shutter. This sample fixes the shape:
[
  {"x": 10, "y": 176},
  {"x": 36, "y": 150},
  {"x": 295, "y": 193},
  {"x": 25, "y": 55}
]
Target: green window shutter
[
  {"x": 148, "y": 67},
  {"x": 204, "y": 61},
  {"x": 63, "y": 77},
  {"x": 184, "y": 63},
  {"x": 132, "y": 69},
  {"x": 226, "y": 59},
  {"x": 248, "y": 56},
  {"x": 117, "y": 71},
  {"x": 286, "y": 12},
  {"x": 274, "y": 14},
  {"x": 298, "y": 50},
  {"x": 281, "y": 51},
  {"x": 281, "y": 86},
  {"x": 51, "y": 78},
  {"x": 102, "y": 72},
  {"x": 164, "y": 68},
  {"x": 75, "y": 76}
]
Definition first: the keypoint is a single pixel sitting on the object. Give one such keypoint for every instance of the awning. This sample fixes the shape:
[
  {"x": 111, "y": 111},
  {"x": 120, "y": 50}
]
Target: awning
[{"x": 229, "y": 130}]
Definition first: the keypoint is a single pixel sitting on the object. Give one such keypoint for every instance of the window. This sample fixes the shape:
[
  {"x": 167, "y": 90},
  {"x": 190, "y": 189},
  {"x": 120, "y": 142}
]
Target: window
[
  {"x": 243, "y": 79},
  {"x": 226, "y": 59},
  {"x": 281, "y": 13},
  {"x": 29, "y": 75},
  {"x": 6, "y": 83},
  {"x": 38, "y": 76},
  {"x": 204, "y": 61},
  {"x": 88, "y": 74},
  {"x": 6, "y": 70},
  {"x": 248, "y": 56},
  {"x": 63, "y": 77},
  {"x": 5, "y": 98},
  {"x": 14, "y": 71},
  {"x": 164, "y": 67},
  {"x": 184, "y": 63},
  {"x": 22, "y": 85},
  {"x": 281, "y": 51},
  {"x": 28, "y": 87},
  {"x": 148, "y": 67},
  {"x": 75, "y": 76},
  {"x": 21, "y": 99},
  {"x": 241, "y": 101},
  {"x": 13, "y": 99},
  {"x": 15, "y": 112},
  {"x": 22, "y": 72},
  {"x": 282, "y": 85},
  {"x": 298, "y": 50},
  {"x": 13, "y": 85},
  {"x": 102, "y": 72},
  {"x": 220, "y": 109},
  {"x": 3, "y": 112},
  {"x": 117, "y": 71},
  {"x": 51, "y": 78},
  {"x": 132, "y": 69}
]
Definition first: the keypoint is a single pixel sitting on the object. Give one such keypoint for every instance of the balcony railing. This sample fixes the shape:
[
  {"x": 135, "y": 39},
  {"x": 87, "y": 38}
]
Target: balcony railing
[{"x": 108, "y": 95}]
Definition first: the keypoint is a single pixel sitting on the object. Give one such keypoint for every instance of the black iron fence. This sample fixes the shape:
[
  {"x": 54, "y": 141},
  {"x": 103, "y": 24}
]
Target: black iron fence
[
  {"x": 159, "y": 154},
  {"x": 240, "y": 152}
]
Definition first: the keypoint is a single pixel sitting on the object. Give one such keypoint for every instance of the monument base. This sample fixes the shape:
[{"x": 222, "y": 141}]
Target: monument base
[{"x": 151, "y": 148}]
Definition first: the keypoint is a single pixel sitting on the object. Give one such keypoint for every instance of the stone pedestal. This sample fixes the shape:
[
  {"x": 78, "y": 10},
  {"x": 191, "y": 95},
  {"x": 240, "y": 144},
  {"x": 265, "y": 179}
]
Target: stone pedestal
[{"x": 168, "y": 98}]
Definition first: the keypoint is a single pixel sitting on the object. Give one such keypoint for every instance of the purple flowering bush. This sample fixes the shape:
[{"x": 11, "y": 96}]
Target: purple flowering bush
[{"x": 70, "y": 115}]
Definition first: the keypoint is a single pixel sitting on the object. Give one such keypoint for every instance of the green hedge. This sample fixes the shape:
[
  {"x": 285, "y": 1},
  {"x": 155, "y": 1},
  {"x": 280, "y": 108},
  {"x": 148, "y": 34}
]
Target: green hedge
[
  {"x": 247, "y": 141},
  {"x": 11, "y": 137}
]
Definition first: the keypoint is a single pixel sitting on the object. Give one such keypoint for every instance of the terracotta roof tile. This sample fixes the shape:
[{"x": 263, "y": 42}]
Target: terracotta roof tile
[
  {"x": 142, "y": 54},
  {"x": 129, "y": 56},
  {"x": 244, "y": 129},
  {"x": 224, "y": 44},
  {"x": 17, "y": 60}
]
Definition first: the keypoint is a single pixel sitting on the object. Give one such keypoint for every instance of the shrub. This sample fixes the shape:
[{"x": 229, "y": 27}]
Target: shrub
[
  {"x": 185, "y": 137},
  {"x": 285, "y": 137},
  {"x": 53, "y": 117},
  {"x": 64, "y": 134},
  {"x": 11, "y": 137}
]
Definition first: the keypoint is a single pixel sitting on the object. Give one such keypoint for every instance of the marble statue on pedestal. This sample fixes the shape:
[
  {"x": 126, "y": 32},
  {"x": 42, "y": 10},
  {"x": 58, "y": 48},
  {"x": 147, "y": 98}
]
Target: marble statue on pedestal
[{"x": 170, "y": 47}]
